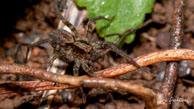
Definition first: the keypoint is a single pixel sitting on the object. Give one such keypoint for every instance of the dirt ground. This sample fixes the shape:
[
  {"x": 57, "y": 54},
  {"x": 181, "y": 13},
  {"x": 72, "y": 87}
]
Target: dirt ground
[{"x": 36, "y": 18}]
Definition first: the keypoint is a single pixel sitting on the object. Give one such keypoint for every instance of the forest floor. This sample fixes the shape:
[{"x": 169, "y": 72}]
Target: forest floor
[{"x": 37, "y": 19}]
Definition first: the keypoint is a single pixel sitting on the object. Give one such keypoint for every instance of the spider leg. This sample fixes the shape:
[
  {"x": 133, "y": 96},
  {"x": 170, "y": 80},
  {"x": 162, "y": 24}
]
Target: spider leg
[
  {"x": 29, "y": 47},
  {"x": 67, "y": 23},
  {"x": 89, "y": 30},
  {"x": 90, "y": 27},
  {"x": 18, "y": 47},
  {"x": 76, "y": 73},
  {"x": 76, "y": 68},
  {"x": 115, "y": 49},
  {"x": 96, "y": 55},
  {"x": 83, "y": 95},
  {"x": 92, "y": 64},
  {"x": 86, "y": 68},
  {"x": 54, "y": 57}
]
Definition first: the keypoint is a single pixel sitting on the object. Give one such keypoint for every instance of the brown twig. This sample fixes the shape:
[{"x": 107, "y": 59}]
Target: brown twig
[
  {"x": 144, "y": 93},
  {"x": 30, "y": 86},
  {"x": 148, "y": 59},
  {"x": 168, "y": 85},
  {"x": 123, "y": 86}
]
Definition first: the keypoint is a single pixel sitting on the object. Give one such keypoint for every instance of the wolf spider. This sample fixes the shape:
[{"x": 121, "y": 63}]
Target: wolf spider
[{"x": 83, "y": 53}]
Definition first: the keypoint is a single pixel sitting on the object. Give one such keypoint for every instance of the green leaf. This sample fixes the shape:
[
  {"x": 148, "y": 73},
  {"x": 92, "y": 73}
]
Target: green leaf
[{"x": 127, "y": 14}]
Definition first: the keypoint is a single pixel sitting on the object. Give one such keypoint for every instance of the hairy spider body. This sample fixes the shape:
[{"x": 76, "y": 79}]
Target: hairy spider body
[
  {"x": 68, "y": 48},
  {"x": 82, "y": 53},
  {"x": 71, "y": 48}
]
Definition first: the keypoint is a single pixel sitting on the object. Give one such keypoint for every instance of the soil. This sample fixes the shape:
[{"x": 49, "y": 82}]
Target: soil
[{"x": 26, "y": 20}]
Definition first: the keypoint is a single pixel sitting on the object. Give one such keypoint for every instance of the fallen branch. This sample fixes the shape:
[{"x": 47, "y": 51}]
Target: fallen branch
[
  {"x": 170, "y": 78},
  {"x": 7, "y": 87},
  {"x": 148, "y": 59},
  {"x": 123, "y": 86},
  {"x": 116, "y": 85}
]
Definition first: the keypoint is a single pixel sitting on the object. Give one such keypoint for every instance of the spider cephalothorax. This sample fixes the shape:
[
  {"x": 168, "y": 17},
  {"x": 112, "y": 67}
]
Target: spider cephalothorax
[{"x": 72, "y": 50}]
